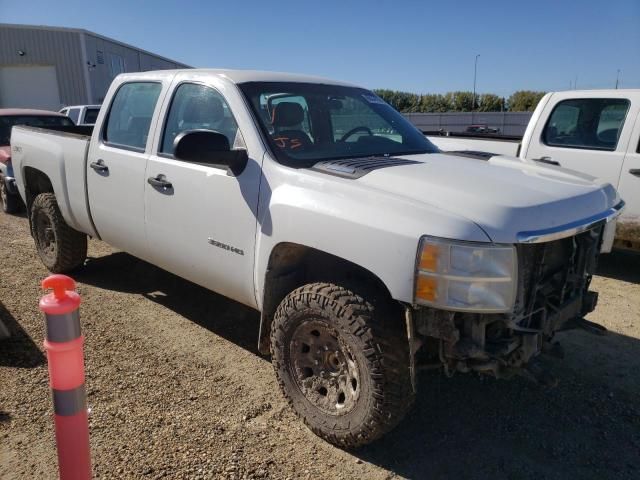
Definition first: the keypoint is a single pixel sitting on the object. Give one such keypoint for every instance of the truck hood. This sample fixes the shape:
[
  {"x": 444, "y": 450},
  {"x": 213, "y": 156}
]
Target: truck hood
[{"x": 504, "y": 196}]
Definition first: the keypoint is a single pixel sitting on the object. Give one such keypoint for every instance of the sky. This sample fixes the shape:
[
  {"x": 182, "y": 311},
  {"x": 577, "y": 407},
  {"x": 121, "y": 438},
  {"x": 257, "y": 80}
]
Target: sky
[{"x": 418, "y": 46}]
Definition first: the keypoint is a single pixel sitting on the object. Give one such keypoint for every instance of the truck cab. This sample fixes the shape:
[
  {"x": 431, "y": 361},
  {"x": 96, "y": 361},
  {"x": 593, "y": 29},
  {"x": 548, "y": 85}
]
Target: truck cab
[{"x": 82, "y": 114}]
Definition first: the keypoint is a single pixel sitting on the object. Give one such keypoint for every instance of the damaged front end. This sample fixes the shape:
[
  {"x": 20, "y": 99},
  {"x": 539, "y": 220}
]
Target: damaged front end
[{"x": 552, "y": 294}]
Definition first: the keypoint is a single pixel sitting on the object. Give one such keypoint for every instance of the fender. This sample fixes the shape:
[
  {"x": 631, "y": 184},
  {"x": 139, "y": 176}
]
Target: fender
[{"x": 377, "y": 231}]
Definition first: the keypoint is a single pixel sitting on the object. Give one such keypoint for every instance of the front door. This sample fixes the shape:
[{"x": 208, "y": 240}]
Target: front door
[
  {"x": 588, "y": 135},
  {"x": 629, "y": 188},
  {"x": 201, "y": 221}
]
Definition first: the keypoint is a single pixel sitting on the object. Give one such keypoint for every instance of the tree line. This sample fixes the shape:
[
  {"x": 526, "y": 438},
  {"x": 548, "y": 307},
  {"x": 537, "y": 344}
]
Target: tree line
[{"x": 406, "y": 102}]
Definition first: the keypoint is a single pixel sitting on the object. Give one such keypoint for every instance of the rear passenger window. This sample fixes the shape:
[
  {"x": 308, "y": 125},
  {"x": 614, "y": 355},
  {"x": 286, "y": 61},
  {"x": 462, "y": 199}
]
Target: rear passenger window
[
  {"x": 197, "y": 107},
  {"x": 130, "y": 115},
  {"x": 589, "y": 123},
  {"x": 74, "y": 114}
]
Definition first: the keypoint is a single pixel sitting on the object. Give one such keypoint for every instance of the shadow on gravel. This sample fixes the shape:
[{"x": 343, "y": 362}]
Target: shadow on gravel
[
  {"x": 620, "y": 265},
  {"x": 19, "y": 350},
  {"x": 4, "y": 417},
  {"x": 465, "y": 426},
  {"x": 471, "y": 427},
  {"x": 124, "y": 273}
]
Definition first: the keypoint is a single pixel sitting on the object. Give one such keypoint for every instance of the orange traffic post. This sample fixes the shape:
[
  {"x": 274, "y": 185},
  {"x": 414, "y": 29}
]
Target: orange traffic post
[{"x": 66, "y": 376}]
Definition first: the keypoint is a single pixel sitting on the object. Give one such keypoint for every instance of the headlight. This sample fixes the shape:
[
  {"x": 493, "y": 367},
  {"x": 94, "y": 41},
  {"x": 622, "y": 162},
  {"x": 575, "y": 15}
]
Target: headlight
[{"x": 466, "y": 276}]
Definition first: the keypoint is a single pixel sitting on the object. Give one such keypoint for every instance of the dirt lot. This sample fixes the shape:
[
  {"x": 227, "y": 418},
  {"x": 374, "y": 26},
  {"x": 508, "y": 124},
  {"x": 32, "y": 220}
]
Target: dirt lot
[{"x": 177, "y": 390}]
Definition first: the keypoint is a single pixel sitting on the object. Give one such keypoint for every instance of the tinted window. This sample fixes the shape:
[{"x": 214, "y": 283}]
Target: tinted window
[
  {"x": 305, "y": 123},
  {"x": 74, "y": 114},
  {"x": 6, "y": 122},
  {"x": 130, "y": 115},
  {"x": 592, "y": 123},
  {"x": 196, "y": 107},
  {"x": 90, "y": 115}
]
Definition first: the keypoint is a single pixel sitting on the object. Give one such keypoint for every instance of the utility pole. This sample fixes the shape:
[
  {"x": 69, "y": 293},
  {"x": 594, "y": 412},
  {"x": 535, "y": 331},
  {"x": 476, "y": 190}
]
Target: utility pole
[
  {"x": 617, "y": 78},
  {"x": 475, "y": 73}
]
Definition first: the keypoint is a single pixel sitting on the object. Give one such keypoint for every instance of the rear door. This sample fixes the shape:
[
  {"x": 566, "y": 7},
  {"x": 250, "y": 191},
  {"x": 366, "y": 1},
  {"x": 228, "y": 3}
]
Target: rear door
[
  {"x": 202, "y": 226},
  {"x": 589, "y": 133},
  {"x": 117, "y": 163}
]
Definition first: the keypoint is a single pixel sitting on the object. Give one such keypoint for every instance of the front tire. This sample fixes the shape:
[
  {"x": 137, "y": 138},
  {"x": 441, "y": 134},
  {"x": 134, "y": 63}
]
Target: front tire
[
  {"x": 342, "y": 364},
  {"x": 60, "y": 247}
]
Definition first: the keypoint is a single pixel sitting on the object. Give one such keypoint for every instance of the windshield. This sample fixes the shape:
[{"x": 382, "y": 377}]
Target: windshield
[
  {"x": 8, "y": 121},
  {"x": 306, "y": 123}
]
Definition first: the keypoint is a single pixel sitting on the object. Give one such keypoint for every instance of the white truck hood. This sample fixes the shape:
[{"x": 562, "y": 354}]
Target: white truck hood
[{"x": 505, "y": 196}]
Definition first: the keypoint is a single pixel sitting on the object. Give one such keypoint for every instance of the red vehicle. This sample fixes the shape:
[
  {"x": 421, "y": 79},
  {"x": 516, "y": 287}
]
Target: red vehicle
[{"x": 9, "y": 117}]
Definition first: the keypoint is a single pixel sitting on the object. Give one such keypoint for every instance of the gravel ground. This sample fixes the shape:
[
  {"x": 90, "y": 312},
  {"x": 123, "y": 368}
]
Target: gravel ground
[{"x": 177, "y": 390}]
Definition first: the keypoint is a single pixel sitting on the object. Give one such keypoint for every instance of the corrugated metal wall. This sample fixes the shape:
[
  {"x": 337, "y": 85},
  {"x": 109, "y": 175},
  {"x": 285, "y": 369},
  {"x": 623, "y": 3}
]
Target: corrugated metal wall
[
  {"x": 63, "y": 48},
  {"x": 47, "y": 47},
  {"x": 102, "y": 53},
  {"x": 509, "y": 123}
]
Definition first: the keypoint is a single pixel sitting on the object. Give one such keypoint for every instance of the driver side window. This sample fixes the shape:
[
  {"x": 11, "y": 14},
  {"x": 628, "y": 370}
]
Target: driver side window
[{"x": 198, "y": 107}]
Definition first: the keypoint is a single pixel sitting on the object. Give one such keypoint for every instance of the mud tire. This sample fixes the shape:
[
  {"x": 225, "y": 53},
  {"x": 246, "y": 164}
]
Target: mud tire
[
  {"x": 374, "y": 338},
  {"x": 60, "y": 247}
]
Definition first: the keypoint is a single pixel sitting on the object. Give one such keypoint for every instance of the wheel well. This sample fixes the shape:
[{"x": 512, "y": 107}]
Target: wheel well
[
  {"x": 35, "y": 183},
  {"x": 292, "y": 265}
]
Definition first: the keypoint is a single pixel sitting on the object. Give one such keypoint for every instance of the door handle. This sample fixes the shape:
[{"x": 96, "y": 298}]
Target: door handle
[
  {"x": 160, "y": 181},
  {"x": 546, "y": 160},
  {"x": 635, "y": 171},
  {"x": 99, "y": 166}
]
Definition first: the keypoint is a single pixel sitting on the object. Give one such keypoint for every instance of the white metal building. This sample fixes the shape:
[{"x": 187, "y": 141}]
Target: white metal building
[{"x": 51, "y": 67}]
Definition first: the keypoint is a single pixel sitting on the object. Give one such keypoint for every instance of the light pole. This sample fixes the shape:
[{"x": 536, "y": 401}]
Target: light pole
[{"x": 475, "y": 73}]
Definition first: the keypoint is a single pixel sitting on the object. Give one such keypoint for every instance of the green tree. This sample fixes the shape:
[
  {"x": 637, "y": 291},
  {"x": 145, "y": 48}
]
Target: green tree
[
  {"x": 401, "y": 101},
  {"x": 434, "y": 103},
  {"x": 459, "y": 101},
  {"x": 488, "y": 102},
  {"x": 524, "y": 100}
]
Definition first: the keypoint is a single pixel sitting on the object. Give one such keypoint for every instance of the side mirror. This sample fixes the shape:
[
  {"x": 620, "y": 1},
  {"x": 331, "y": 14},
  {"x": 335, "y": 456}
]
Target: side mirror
[{"x": 208, "y": 147}]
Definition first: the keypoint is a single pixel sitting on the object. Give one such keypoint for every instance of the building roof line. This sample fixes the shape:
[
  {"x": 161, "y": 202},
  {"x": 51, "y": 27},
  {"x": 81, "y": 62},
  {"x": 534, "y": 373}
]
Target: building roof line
[{"x": 88, "y": 32}]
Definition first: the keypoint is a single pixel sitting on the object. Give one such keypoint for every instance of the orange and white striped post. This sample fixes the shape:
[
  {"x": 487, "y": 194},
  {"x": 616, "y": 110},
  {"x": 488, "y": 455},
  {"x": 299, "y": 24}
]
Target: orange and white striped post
[{"x": 63, "y": 344}]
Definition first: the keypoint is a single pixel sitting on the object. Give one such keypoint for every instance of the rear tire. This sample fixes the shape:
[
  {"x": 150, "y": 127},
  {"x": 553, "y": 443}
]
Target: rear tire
[
  {"x": 10, "y": 203},
  {"x": 60, "y": 247},
  {"x": 342, "y": 364}
]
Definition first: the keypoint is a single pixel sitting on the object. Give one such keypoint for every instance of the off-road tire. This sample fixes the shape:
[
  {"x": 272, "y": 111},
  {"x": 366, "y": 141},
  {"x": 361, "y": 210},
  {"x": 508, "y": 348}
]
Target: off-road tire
[
  {"x": 67, "y": 248},
  {"x": 374, "y": 336},
  {"x": 10, "y": 203}
]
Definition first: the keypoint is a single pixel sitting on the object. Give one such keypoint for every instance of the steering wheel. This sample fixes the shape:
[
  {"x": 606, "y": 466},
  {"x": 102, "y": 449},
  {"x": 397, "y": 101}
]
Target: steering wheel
[{"x": 356, "y": 130}]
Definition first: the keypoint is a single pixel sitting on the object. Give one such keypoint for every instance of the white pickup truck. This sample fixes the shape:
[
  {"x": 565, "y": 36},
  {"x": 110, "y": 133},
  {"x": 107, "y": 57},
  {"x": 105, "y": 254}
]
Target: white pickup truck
[
  {"x": 596, "y": 132},
  {"x": 369, "y": 253},
  {"x": 82, "y": 114}
]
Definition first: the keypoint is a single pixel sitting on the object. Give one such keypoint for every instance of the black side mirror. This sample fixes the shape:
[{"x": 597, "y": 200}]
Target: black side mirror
[{"x": 208, "y": 147}]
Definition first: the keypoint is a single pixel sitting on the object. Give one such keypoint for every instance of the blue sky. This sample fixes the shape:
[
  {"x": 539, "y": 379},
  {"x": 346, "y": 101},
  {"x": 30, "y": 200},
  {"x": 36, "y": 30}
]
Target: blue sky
[{"x": 419, "y": 46}]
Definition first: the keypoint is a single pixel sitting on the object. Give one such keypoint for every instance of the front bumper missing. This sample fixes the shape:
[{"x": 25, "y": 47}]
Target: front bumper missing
[{"x": 491, "y": 343}]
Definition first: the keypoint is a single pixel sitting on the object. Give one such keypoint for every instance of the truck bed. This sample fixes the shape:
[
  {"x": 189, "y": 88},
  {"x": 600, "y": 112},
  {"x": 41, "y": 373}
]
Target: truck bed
[{"x": 59, "y": 153}]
